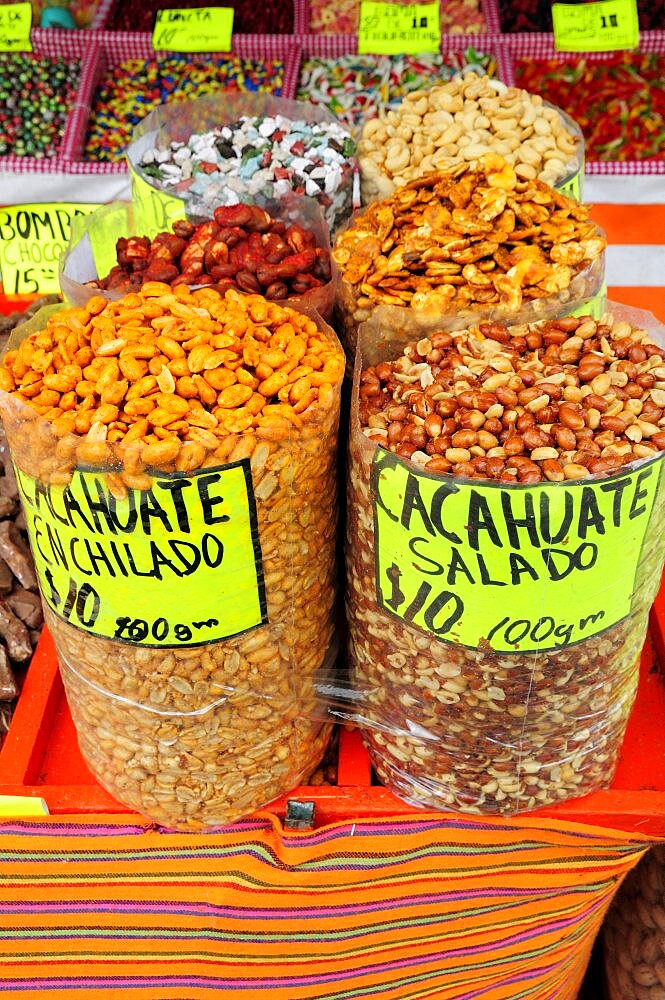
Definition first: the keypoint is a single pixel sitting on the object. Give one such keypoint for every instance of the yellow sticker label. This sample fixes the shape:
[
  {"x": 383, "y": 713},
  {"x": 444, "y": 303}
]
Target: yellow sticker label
[
  {"x": 176, "y": 565},
  {"x": 596, "y": 27},
  {"x": 15, "y": 25},
  {"x": 32, "y": 240},
  {"x": 154, "y": 211},
  {"x": 572, "y": 187},
  {"x": 201, "y": 29},
  {"x": 14, "y": 806},
  {"x": 594, "y": 307},
  {"x": 389, "y": 29},
  {"x": 519, "y": 569}
]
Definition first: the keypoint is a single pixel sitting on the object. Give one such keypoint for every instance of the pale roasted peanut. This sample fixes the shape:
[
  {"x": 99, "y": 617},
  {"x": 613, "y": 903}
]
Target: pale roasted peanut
[
  {"x": 481, "y": 116},
  {"x": 172, "y": 759}
]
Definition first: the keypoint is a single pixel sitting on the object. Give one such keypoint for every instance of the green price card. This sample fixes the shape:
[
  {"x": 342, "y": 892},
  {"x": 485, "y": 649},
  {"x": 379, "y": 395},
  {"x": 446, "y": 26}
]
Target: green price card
[
  {"x": 201, "y": 29},
  {"x": 387, "y": 29},
  {"x": 596, "y": 27},
  {"x": 15, "y": 25}
]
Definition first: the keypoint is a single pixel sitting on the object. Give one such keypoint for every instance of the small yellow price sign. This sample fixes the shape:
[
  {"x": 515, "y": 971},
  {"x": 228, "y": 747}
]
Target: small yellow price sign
[
  {"x": 604, "y": 26},
  {"x": 388, "y": 29},
  {"x": 32, "y": 240},
  {"x": 201, "y": 29},
  {"x": 17, "y": 806},
  {"x": 15, "y": 25}
]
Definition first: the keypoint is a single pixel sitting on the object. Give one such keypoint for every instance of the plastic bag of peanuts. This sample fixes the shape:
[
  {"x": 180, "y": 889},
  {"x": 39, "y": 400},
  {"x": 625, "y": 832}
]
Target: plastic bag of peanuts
[
  {"x": 504, "y": 546},
  {"x": 634, "y": 933},
  {"x": 461, "y": 120},
  {"x": 277, "y": 249},
  {"x": 175, "y": 453},
  {"x": 472, "y": 244}
]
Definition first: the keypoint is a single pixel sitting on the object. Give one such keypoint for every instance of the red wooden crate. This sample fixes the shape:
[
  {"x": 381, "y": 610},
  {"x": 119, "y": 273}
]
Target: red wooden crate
[{"x": 40, "y": 757}]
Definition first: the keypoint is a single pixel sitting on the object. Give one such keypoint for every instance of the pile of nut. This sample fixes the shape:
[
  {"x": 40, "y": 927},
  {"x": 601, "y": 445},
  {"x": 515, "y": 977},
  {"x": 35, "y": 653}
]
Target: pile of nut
[
  {"x": 468, "y": 242},
  {"x": 244, "y": 247},
  {"x": 477, "y": 729},
  {"x": 171, "y": 380},
  {"x": 462, "y": 120},
  {"x": 634, "y": 933},
  {"x": 554, "y": 401}
]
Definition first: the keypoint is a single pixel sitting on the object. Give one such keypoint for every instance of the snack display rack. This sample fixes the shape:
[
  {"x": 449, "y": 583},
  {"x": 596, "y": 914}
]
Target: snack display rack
[{"x": 40, "y": 758}]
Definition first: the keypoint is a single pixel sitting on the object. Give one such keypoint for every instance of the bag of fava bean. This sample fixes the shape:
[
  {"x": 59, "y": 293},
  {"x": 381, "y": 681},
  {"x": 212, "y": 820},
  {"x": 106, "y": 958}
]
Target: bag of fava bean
[
  {"x": 279, "y": 249},
  {"x": 467, "y": 245},
  {"x": 504, "y": 546},
  {"x": 175, "y": 453}
]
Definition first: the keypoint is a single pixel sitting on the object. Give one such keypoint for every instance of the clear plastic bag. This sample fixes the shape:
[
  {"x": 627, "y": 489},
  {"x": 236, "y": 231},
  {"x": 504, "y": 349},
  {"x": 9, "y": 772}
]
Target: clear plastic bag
[
  {"x": 190, "y": 594},
  {"x": 179, "y": 122},
  {"x": 496, "y": 628},
  {"x": 418, "y": 261},
  {"x": 91, "y": 250}
]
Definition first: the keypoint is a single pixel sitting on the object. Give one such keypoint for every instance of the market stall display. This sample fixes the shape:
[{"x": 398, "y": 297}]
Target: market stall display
[
  {"x": 158, "y": 391},
  {"x": 356, "y": 88},
  {"x": 536, "y": 15},
  {"x": 271, "y": 17},
  {"x": 129, "y": 90},
  {"x": 466, "y": 705},
  {"x": 619, "y": 102},
  {"x": 456, "y": 16},
  {"x": 460, "y": 121},
  {"x": 36, "y": 94},
  {"x": 471, "y": 243}
]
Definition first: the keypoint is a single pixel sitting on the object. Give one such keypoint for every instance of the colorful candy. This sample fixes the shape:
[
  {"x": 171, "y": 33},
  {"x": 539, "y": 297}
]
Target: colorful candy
[
  {"x": 619, "y": 104},
  {"x": 268, "y": 156},
  {"x": 341, "y": 17},
  {"x": 128, "y": 92},
  {"x": 36, "y": 93},
  {"x": 536, "y": 15},
  {"x": 358, "y": 87},
  {"x": 270, "y": 16}
]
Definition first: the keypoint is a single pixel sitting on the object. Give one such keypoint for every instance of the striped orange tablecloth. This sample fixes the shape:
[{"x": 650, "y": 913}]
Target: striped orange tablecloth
[{"x": 401, "y": 909}]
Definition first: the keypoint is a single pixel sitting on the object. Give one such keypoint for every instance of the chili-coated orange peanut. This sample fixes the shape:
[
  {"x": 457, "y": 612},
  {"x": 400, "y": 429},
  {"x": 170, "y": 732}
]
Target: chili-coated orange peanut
[{"x": 194, "y": 736}]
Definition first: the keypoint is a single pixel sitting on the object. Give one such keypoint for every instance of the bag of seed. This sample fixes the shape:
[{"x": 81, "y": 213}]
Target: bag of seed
[
  {"x": 504, "y": 546},
  {"x": 279, "y": 249},
  {"x": 175, "y": 453},
  {"x": 469, "y": 245},
  {"x": 220, "y": 148}
]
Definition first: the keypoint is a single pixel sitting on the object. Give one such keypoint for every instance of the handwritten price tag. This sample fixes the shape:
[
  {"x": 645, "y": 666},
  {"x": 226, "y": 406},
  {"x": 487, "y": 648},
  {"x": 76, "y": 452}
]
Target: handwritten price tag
[
  {"x": 15, "y": 25},
  {"x": 386, "y": 29},
  {"x": 32, "y": 240},
  {"x": 202, "y": 29},
  {"x": 520, "y": 570},
  {"x": 596, "y": 27},
  {"x": 118, "y": 568}
]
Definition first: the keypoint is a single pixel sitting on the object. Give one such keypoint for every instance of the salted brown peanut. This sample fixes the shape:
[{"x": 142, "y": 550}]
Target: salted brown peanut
[
  {"x": 634, "y": 933},
  {"x": 462, "y": 119},
  {"x": 546, "y": 402},
  {"x": 466, "y": 244},
  {"x": 167, "y": 381},
  {"x": 487, "y": 727}
]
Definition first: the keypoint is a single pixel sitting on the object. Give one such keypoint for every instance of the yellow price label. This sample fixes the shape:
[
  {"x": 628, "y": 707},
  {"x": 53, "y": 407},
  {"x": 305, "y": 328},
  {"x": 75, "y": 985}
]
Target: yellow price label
[
  {"x": 154, "y": 211},
  {"x": 121, "y": 569},
  {"x": 603, "y": 26},
  {"x": 17, "y": 806},
  {"x": 518, "y": 569},
  {"x": 389, "y": 29},
  {"x": 32, "y": 240},
  {"x": 15, "y": 25},
  {"x": 201, "y": 29}
]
